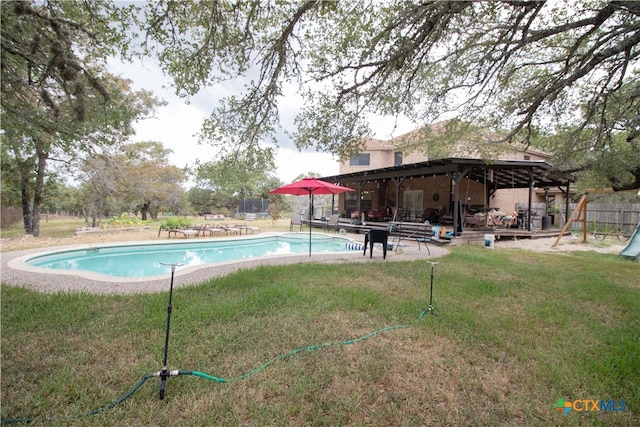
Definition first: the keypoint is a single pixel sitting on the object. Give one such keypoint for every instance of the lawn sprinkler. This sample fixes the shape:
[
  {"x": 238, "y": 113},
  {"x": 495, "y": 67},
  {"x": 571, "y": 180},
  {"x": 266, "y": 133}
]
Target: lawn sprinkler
[
  {"x": 430, "y": 308},
  {"x": 164, "y": 374}
]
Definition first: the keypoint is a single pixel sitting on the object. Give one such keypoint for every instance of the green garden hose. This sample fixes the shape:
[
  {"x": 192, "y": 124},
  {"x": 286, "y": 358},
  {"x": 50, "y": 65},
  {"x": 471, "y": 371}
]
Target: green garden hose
[
  {"x": 210, "y": 377},
  {"x": 93, "y": 412}
]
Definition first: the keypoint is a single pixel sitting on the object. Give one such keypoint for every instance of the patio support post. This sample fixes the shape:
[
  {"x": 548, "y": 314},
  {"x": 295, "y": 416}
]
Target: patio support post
[
  {"x": 485, "y": 193},
  {"x": 457, "y": 223},
  {"x": 361, "y": 185},
  {"x": 398, "y": 182},
  {"x": 531, "y": 185},
  {"x": 566, "y": 202}
]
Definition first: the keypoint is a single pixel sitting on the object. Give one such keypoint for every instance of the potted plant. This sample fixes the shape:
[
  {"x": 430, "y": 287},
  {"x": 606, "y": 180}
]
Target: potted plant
[{"x": 552, "y": 210}]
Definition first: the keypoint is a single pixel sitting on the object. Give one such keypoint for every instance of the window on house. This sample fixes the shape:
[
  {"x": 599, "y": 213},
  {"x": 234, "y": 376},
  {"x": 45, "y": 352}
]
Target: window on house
[
  {"x": 360, "y": 160},
  {"x": 527, "y": 157},
  {"x": 365, "y": 200},
  {"x": 351, "y": 201},
  {"x": 413, "y": 206},
  {"x": 397, "y": 159}
]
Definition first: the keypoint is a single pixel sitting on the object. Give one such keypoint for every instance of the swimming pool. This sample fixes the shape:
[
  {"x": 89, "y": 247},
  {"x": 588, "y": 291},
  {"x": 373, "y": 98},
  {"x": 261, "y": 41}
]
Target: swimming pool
[{"x": 145, "y": 260}]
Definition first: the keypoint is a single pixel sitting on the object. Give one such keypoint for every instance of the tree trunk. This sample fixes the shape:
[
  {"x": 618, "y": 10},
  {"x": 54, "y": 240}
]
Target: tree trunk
[
  {"x": 94, "y": 208},
  {"x": 145, "y": 210},
  {"x": 38, "y": 188},
  {"x": 85, "y": 214},
  {"x": 94, "y": 216},
  {"x": 25, "y": 194}
]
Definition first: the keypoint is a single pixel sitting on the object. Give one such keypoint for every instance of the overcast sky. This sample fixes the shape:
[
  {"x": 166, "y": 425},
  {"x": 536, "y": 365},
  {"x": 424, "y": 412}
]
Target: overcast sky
[{"x": 176, "y": 124}]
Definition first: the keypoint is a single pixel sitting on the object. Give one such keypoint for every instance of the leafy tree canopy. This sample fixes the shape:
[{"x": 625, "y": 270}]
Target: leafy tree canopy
[
  {"x": 57, "y": 101},
  {"x": 146, "y": 179},
  {"x": 527, "y": 67},
  {"x": 49, "y": 54},
  {"x": 224, "y": 181}
]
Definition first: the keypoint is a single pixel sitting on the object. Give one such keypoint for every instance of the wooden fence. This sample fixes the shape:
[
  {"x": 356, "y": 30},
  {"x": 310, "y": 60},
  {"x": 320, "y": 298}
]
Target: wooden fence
[
  {"x": 624, "y": 216},
  {"x": 10, "y": 215}
]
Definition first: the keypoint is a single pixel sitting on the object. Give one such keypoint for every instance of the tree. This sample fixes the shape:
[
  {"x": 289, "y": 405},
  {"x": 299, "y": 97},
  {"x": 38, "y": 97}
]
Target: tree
[
  {"x": 227, "y": 180},
  {"x": 133, "y": 177},
  {"x": 146, "y": 180},
  {"x": 49, "y": 51},
  {"x": 31, "y": 148},
  {"x": 56, "y": 98},
  {"x": 604, "y": 153},
  {"x": 204, "y": 200},
  {"x": 10, "y": 194},
  {"x": 522, "y": 67},
  {"x": 99, "y": 184},
  {"x": 63, "y": 199}
]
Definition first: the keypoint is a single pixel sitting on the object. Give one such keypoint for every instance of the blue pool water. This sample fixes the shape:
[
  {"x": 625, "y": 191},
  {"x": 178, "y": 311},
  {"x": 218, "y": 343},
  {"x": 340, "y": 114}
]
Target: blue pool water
[{"x": 146, "y": 259}]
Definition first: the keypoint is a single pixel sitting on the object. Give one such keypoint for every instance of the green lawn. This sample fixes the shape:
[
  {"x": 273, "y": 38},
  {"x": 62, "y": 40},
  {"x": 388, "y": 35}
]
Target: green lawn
[{"x": 514, "y": 332}]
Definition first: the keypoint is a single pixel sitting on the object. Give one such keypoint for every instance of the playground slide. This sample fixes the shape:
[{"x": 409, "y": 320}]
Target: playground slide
[{"x": 632, "y": 250}]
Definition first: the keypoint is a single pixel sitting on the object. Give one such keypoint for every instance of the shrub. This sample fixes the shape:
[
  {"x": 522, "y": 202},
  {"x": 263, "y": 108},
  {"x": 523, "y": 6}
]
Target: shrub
[
  {"x": 174, "y": 222},
  {"x": 124, "y": 221}
]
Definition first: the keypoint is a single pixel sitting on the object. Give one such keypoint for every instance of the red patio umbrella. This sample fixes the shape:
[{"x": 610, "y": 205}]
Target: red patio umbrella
[{"x": 310, "y": 186}]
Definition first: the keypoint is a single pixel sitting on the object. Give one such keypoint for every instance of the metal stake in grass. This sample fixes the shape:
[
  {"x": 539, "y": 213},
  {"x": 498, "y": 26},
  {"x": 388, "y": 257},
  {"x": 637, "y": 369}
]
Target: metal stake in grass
[
  {"x": 430, "y": 308},
  {"x": 164, "y": 374}
]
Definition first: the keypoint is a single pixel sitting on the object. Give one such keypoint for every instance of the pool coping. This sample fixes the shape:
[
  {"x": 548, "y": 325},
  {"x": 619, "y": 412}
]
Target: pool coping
[{"x": 14, "y": 272}]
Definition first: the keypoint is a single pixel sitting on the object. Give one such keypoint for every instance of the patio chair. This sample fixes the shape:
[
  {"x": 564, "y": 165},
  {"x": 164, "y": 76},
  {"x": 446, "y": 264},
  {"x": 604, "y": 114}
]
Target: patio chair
[
  {"x": 230, "y": 228},
  {"x": 296, "y": 219},
  {"x": 185, "y": 232},
  {"x": 333, "y": 222},
  {"x": 420, "y": 234},
  {"x": 376, "y": 236},
  {"x": 210, "y": 230},
  {"x": 252, "y": 229}
]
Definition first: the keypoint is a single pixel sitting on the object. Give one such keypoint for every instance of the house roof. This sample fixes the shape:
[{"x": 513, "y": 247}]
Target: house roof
[
  {"x": 498, "y": 174},
  {"x": 376, "y": 144}
]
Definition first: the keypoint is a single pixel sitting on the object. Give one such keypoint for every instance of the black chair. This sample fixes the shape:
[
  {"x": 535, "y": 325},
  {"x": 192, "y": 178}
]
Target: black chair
[{"x": 376, "y": 236}]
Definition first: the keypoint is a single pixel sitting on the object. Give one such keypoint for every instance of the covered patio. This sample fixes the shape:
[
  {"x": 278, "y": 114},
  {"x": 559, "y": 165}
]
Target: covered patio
[{"x": 442, "y": 190}]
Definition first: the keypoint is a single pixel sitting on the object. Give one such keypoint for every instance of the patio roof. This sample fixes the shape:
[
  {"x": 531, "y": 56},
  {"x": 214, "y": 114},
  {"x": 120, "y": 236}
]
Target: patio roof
[{"x": 498, "y": 174}]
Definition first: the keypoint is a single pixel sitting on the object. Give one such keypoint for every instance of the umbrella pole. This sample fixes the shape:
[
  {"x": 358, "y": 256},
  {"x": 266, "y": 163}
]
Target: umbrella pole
[{"x": 310, "y": 207}]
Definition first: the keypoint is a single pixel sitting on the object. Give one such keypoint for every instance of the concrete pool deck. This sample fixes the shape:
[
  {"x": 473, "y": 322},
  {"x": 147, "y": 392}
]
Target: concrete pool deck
[{"x": 14, "y": 272}]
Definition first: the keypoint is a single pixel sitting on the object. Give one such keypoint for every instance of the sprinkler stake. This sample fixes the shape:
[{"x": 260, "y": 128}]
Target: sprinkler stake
[
  {"x": 164, "y": 374},
  {"x": 430, "y": 308}
]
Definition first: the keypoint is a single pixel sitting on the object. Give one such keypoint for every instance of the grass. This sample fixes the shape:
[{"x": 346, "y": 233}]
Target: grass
[
  {"x": 54, "y": 229},
  {"x": 514, "y": 331}
]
